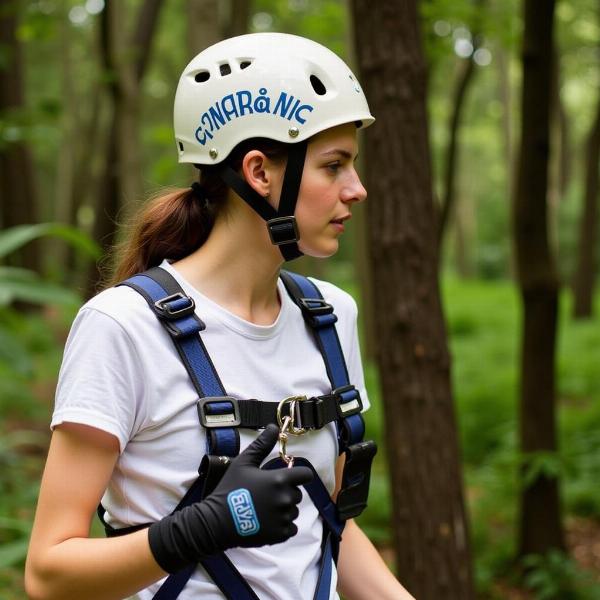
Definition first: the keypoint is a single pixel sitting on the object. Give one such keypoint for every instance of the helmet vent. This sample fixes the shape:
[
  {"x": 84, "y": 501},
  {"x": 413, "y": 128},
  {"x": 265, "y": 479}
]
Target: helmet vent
[
  {"x": 180, "y": 146},
  {"x": 225, "y": 69},
  {"x": 202, "y": 76},
  {"x": 245, "y": 64},
  {"x": 318, "y": 85}
]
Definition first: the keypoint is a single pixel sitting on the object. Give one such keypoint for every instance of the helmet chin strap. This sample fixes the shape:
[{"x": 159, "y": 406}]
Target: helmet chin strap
[{"x": 281, "y": 224}]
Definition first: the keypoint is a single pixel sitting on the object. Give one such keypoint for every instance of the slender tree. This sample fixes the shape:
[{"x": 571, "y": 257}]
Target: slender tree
[
  {"x": 585, "y": 274},
  {"x": 466, "y": 72},
  {"x": 16, "y": 168},
  {"x": 239, "y": 16},
  {"x": 540, "y": 515},
  {"x": 125, "y": 57},
  {"x": 429, "y": 522}
]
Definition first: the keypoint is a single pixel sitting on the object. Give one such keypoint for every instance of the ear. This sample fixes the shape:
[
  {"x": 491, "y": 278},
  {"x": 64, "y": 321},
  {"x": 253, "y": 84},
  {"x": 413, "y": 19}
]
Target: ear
[{"x": 257, "y": 171}]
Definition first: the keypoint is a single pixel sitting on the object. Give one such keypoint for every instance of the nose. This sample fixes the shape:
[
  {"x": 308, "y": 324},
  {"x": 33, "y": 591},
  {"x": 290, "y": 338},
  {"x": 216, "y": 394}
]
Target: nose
[{"x": 354, "y": 190}]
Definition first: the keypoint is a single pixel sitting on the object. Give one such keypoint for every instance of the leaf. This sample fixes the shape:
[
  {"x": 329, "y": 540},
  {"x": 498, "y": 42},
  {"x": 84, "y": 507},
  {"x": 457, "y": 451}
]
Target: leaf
[
  {"x": 14, "y": 353},
  {"x": 13, "y": 552},
  {"x": 21, "y": 525},
  {"x": 23, "y": 284},
  {"x": 14, "y": 238}
]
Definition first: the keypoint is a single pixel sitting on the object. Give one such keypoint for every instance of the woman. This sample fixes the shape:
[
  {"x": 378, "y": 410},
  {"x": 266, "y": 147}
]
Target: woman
[{"x": 270, "y": 120}]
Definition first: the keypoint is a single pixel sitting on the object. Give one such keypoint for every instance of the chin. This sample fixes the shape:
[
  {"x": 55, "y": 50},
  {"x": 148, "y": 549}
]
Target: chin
[{"x": 322, "y": 250}]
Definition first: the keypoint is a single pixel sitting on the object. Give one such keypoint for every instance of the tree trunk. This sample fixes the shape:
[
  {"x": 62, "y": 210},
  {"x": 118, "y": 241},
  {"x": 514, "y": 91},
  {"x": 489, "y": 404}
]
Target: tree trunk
[
  {"x": 462, "y": 236},
  {"x": 504, "y": 89},
  {"x": 429, "y": 522},
  {"x": 204, "y": 25},
  {"x": 585, "y": 275},
  {"x": 16, "y": 167},
  {"x": 121, "y": 181},
  {"x": 465, "y": 77},
  {"x": 559, "y": 161},
  {"x": 540, "y": 515},
  {"x": 239, "y": 15},
  {"x": 62, "y": 209}
]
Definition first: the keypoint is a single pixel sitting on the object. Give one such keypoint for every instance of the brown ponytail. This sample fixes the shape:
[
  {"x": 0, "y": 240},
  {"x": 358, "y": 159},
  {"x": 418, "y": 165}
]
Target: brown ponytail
[
  {"x": 175, "y": 224},
  {"x": 170, "y": 226}
]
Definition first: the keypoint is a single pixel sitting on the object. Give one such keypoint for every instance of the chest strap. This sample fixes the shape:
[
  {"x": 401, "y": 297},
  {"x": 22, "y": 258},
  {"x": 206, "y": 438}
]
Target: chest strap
[{"x": 309, "y": 413}]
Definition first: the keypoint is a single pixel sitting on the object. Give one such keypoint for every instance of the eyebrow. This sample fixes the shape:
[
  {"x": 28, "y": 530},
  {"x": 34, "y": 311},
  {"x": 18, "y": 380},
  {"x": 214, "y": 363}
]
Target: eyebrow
[{"x": 339, "y": 152}]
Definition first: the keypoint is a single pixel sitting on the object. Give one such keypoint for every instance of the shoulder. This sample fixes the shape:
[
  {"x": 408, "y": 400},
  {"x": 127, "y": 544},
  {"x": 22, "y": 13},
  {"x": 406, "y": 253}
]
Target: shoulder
[
  {"x": 117, "y": 314},
  {"x": 121, "y": 304}
]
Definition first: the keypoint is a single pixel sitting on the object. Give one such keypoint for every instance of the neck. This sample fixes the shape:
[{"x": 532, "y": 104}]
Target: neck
[{"x": 237, "y": 267}]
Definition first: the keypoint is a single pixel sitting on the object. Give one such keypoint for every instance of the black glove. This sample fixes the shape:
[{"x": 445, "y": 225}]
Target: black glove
[{"x": 249, "y": 507}]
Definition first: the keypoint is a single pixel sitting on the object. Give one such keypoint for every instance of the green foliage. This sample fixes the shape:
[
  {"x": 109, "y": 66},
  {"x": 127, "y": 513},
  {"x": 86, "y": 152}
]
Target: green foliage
[
  {"x": 540, "y": 465},
  {"x": 28, "y": 286},
  {"x": 14, "y": 238},
  {"x": 324, "y": 21},
  {"x": 30, "y": 351},
  {"x": 555, "y": 576}
]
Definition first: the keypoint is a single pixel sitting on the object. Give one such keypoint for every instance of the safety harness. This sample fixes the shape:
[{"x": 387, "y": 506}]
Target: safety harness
[{"x": 222, "y": 415}]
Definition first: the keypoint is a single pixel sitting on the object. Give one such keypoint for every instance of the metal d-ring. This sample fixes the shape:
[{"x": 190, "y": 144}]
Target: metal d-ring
[{"x": 289, "y": 419}]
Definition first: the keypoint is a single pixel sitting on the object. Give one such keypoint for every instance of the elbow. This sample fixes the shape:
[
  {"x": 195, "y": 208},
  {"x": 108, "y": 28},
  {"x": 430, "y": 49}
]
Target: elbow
[
  {"x": 33, "y": 588},
  {"x": 37, "y": 586}
]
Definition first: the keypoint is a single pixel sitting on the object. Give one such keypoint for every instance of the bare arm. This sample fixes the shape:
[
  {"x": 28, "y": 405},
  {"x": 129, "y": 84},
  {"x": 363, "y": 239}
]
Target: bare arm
[
  {"x": 362, "y": 573},
  {"x": 63, "y": 562}
]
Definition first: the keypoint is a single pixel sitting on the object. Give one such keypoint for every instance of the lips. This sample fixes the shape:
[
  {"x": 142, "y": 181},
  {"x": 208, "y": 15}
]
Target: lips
[{"x": 341, "y": 220}]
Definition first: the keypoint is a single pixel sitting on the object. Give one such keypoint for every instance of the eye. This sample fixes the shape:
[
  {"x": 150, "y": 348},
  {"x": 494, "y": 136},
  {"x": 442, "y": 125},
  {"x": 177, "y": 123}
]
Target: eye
[{"x": 334, "y": 166}]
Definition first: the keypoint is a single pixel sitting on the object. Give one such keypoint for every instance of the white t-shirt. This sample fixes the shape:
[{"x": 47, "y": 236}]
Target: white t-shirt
[{"x": 121, "y": 373}]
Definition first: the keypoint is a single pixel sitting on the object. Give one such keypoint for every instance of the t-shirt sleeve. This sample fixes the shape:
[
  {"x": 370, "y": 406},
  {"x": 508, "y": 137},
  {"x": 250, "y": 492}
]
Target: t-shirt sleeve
[{"x": 100, "y": 377}]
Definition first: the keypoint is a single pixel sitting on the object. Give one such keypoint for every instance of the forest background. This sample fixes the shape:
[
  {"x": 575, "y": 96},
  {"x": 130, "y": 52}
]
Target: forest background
[{"x": 79, "y": 86}]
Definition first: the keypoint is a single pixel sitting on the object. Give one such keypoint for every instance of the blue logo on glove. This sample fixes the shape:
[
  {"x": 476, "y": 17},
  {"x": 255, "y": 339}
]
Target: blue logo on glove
[{"x": 243, "y": 513}]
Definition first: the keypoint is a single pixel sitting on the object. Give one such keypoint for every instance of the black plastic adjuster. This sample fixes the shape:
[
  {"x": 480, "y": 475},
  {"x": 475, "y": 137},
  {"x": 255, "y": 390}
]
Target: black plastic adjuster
[
  {"x": 347, "y": 407},
  {"x": 165, "y": 311},
  {"x": 315, "y": 307},
  {"x": 216, "y": 420},
  {"x": 283, "y": 230},
  {"x": 319, "y": 413},
  {"x": 352, "y": 498}
]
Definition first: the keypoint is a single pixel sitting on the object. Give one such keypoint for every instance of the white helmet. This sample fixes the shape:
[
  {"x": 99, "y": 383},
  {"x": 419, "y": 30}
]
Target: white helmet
[{"x": 271, "y": 85}]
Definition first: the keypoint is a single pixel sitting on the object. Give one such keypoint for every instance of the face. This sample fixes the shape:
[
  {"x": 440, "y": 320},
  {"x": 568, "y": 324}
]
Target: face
[{"x": 329, "y": 189}]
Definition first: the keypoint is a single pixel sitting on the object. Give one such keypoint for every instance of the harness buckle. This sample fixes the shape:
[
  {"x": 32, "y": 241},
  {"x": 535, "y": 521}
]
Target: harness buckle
[
  {"x": 175, "y": 306},
  {"x": 283, "y": 230},
  {"x": 219, "y": 411},
  {"x": 293, "y": 415},
  {"x": 317, "y": 312},
  {"x": 349, "y": 401},
  {"x": 352, "y": 498},
  {"x": 315, "y": 307}
]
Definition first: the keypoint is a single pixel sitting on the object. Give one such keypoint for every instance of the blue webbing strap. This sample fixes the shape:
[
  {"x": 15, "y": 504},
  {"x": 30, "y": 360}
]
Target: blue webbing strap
[
  {"x": 332, "y": 525},
  {"x": 319, "y": 316},
  {"x": 155, "y": 286},
  {"x": 173, "y": 585}
]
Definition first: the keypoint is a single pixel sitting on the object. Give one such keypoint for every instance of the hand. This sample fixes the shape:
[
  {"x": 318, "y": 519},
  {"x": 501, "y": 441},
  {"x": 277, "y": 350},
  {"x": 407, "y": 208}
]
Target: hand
[{"x": 249, "y": 507}]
